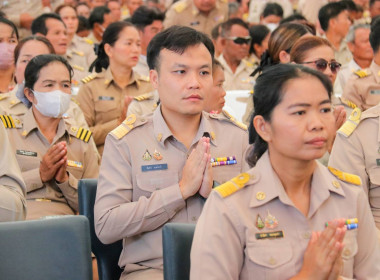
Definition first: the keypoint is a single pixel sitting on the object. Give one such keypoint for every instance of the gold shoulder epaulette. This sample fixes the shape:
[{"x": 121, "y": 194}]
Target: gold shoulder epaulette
[
  {"x": 78, "y": 53},
  {"x": 234, "y": 121},
  {"x": 180, "y": 6},
  {"x": 251, "y": 92},
  {"x": 143, "y": 97},
  {"x": 144, "y": 78},
  {"x": 348, "y": 103},
  {"x": 85, "y": 80},
  {"x": 233, "y": 185},
  {"x": 361, "y": 73},
  {"x": 349, "y": 126},
  {"x": 74, "y": 100},
  {"x": 77, "y": 67},
  {"x": 82, "y": 133},
  {"x": 88, "y": 41},
  {"x": 8, "y": 121},
  {"x": 125, "y": 127},
  {"x": 346, "y": 177}
]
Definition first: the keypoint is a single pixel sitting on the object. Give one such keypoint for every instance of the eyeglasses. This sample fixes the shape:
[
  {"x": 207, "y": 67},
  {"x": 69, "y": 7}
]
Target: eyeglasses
[
  {"x": 240, "y": 40},
  {"x": 321, "y": 65}
]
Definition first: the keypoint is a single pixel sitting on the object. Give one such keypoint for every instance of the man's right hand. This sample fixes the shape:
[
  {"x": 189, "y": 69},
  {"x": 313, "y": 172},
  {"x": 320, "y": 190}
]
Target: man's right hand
[{"x": 193, "y": 171}]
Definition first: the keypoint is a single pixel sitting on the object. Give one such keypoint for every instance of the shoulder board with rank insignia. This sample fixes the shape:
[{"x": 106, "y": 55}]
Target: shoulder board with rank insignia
[
  {"x": 143, "y": 97},
  {"x": 180, "y": 6},
  {"x": 126, "y": 126},
  {"x": 85, "y": 80},
  {"x": 346, "y": 177},
  {"x": 234, "y": 121},
  {"x": 349, "y": 126},
  {"x": 88, "y": 41},
  {"x": 361, "y": 73},
  {"x": 82, "y": 133},
  {"x": 7, "y": 121},
  {"x": 348, "y": 103},
  {"x": 144, "y": 78},
  {"x": 3, "y": 96},
  {"x": 78, "y": 53},
  {"x": 77, "y": 67},
  {"x": 233, "y": 185}
]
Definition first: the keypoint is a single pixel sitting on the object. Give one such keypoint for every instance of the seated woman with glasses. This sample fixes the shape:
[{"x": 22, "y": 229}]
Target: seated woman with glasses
[{"x": 288, "y": 217}]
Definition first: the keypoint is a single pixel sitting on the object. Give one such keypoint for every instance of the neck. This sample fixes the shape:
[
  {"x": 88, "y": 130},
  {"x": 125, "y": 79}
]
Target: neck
[
  {"x": 143, "y": 49},
  {"x": 97, "y": 36},
  {"x": 334, "y": 39},
  {"x": 70, "y": 37},
  {"x": 183, "y": 127},
  {"x": 363, "y": 63},
  {"x": 48, "y": 126},
  {"x": 6, "y": 79},
  {"x": 232, "y": 63},
  {"x": 376, "y": 58},
  {"x": 295, "y": 176},
  {"x": 120, "y": 74}
]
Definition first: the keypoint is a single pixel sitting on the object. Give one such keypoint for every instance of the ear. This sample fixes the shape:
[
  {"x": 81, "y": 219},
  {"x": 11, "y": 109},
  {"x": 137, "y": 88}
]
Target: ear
[
  {"x": 29, "y": 95},
  {"x": 258, "y": 48},
  {"x": 153, "y": 75},
  {"x": 108, "y": 50},
  {"x": 351, "y": 46},
  {"x": 284, "y": 57},
  {"x": 223, "y": 42},
  {"x": 262, "y": 128}
]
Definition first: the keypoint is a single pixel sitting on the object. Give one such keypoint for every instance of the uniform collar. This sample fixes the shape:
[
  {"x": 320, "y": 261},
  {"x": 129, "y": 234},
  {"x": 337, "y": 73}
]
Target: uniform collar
[
  {"x": 108, "y": 78},
  {"x": 30, "y": 124},
  {"x": 323, "y": 183},
  {"x": 195, "y": 11},
  {"x": 244, "y": 65},
  {"x": 375, "y": 69},
  {"x": 162, "y": 131}
]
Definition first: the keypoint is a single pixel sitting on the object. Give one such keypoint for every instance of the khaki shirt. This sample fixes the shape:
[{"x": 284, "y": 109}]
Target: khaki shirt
[
  {"x": 359, "y": 153},
  {"x": 310, "y": 8},
  {"x": 102, "y": 101},
  {"x": 343, "y": 55},
  {"x": 142, "y": 66},
  {"x": 241, "y": 79},
  {"x": 80, "y": 54},
  {"x": 185, "y": 13},
  {"x": 92, "y": 39},
  {"x": 229, "y": 244},
  {"x": 29, "y": 146},
  {"x": 363, "y": 89},
  {"x": 346, "y": 72},
  {"x": 12, "y": 186},
  {"x": 144, "y": 104},
  {"x": 136, "y": 197},
  {"x": 11, "y": 105}
]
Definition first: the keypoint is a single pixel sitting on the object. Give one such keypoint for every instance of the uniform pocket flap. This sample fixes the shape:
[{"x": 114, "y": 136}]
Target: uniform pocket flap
[
  {"x": 270, "y": 255},
  {"x": 156, "y": 181}
]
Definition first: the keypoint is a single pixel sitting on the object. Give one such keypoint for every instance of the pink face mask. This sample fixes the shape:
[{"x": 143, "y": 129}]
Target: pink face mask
[{"x": 6, "y": 55}]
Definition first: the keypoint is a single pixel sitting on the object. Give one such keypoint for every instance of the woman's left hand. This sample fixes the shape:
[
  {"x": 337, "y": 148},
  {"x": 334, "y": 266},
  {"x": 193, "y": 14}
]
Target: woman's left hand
[{"x": 340, "y": 116}]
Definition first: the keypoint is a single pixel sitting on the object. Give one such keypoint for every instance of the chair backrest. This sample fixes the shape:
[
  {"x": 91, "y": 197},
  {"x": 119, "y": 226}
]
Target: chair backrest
[
  {"x": 54, "y": 248},
  {"x": 107, "y": 256},
  {"x": 177, "y": 240}
]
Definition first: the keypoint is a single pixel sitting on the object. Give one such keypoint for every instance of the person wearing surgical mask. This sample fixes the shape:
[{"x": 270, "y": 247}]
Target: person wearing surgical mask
[
  {"x": 52, "y": 153},
  {"x": 272, "y": 15},
  {"x": 8, "y": 41}
]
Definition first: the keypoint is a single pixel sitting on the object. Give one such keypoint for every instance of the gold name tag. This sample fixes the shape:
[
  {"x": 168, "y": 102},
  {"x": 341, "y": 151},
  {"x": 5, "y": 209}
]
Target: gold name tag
[{"x": 270, "y": 235}]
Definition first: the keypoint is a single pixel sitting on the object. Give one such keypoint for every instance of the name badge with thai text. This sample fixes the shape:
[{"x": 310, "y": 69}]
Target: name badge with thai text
[
  {"x": 375, "y": 91},
  {"x": 154, "y": 167},
  {"x": 107, "y": 98},
  {"x": 26, "y": 153},
  {"x": 270, "y": 235}
]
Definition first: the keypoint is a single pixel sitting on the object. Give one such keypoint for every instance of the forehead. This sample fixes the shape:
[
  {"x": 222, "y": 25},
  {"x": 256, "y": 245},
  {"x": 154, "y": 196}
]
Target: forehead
[
  {"x": 196, "y": 55},
  {"x": 54, "y": 71},
  {"x": 54, "y": 24},
  {"x": 5, "y": 29},
  {"x": 320, "y": 52},
  {"x": 305, "y": 89},
  {"x": 238, "y": 30},
  {"x": 34, "y": 47},
  {"x": 67, "y": 11},
  {"x": 128, "y": 32},
  {"x": 362, "y": 32}
]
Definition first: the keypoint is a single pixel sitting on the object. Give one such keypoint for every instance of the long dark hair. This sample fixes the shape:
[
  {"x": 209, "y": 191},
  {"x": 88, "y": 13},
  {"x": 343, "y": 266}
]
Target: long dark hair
[
  {"x": 268, "y": 93},
  {"x": 110, "y": 36}
]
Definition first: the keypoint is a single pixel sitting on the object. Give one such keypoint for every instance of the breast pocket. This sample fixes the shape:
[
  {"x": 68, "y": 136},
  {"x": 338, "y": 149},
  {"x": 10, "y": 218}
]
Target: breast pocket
[
  {"x": 27, "y": 162},
  {"x": 269, "y": 259},
  {"x": 107, "y": 109},
  {"x": 153, "y": 181}
]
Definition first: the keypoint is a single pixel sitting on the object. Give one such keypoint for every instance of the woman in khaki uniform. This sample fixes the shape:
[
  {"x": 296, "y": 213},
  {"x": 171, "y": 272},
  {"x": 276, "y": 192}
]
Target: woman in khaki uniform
[
  {"x": 53, "y": 155},
  {"x": 289, "y": 217},
  {"x": 104, "y": 97}
]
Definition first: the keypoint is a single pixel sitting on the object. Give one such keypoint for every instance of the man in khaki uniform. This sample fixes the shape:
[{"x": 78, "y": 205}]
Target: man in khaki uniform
[
  {"x": 199, "y": 14},
  {"x": 157, "y": 169},
  {"x": 12, "y": 186},
  {"x": 102, "y": 101},
  {"x": 363, "y": 88},
  {"x": 256, "y": 232},
  {"x": 356, "y": 150},
  {"x": 29, "y": 146},
  {"x": 236, "y": 42}
]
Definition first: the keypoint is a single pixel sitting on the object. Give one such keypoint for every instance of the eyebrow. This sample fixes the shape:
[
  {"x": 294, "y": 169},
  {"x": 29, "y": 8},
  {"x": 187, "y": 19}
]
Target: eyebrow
[
  {"x": 54, "y": 81},
  {"x": 326, "y": 101},
  {"x": 186, "y": 66}
]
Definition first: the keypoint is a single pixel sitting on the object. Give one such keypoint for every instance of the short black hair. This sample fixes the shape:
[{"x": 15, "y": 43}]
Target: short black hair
[
  {"x": 330, "y": 11},
  {"x": 371, "y": 2},
  {"x": 97, "y": 15},
  {"x": 32, "y": 70},
  {"x": 272, "y": 9},
  {"x": 269, "y": 89},
  {"x": 374, "y": 38},
  {"x": 226, "y": 26},
  {"x": 292, "y": 18},
  {"x": 258, "y": 33},
  {"x": 215, "y": 32},
  {"x": 144, "y": 16},
  {"x": 177, "y": 39},
  {"x": 83, "y": 24},
  {"x": 11, "y": 25},
  {"x": 39, "y": 23},
  {"x": 350, "y": 5}
]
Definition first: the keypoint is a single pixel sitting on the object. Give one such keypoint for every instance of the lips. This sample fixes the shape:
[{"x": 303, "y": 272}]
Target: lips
[
  {"x": 194, "y": 97},
  {"x": 317, "y": 141}
]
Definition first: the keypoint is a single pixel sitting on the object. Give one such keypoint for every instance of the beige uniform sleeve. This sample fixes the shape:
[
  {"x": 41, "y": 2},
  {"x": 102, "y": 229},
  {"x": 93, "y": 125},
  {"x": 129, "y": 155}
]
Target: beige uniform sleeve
[
  {"x": 87, "y": 104},
  {"x": 352, "y": 92},
  {"x": 91, "y": 166},
  {"x": 170, "y": 18},
  {"x": 12, "y": 186},
  {"x": 217, "y": 249},
  {"x": 116, "y": 215}
]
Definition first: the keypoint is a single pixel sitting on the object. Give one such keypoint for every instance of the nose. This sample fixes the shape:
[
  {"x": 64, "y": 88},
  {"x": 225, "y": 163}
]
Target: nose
[{"x": 316, "y": 121}]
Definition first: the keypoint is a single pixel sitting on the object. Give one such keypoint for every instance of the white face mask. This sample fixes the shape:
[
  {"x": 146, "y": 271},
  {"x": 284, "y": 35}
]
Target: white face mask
[
  {"x": 52, "y": 104},
  {"x": 272, "y": 26}
]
